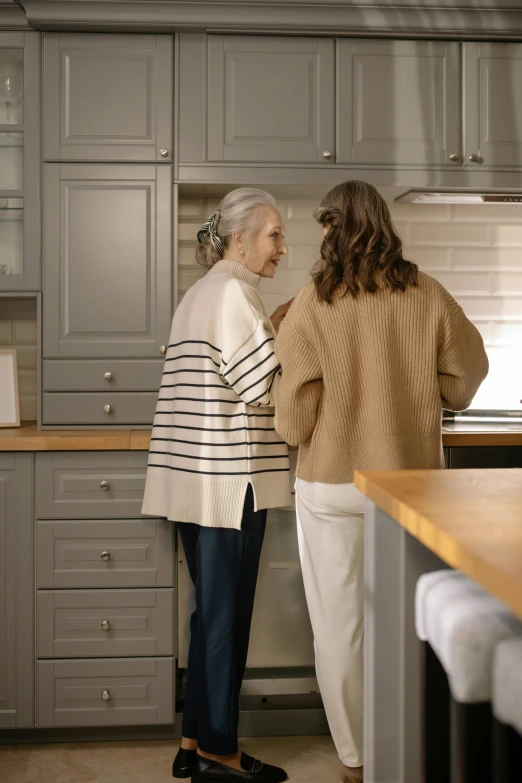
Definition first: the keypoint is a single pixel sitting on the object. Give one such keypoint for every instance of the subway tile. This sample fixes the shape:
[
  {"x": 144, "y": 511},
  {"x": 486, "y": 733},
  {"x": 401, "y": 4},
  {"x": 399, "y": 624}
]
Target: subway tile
[
  {"x": 28, "y": 408},
  {"x": 507, "y": 235},
  {"x": 285, "y": 282},
  {"x": 507, "y": 284},
  {"x": 193, "y": 208},
  {"x": 487, "y": 213},
  {"x": 484, "y": 327},
  {"x": 302, "y": 256},
  {"x": 6, "y": 332},
  {"x": 403, "y": 229},
  {"x": 420, "y": 212},
  {"x": 187, "y": 278},
  {"x": 428, "y": 258},
  {"x": 302, "y": 209},
  {"x": 477, "y": 283},
  {"x": 490, "y": 307},
  {"x": 449, "y": 234},
  {"x": 486, "y": 258},
  {"x": 507, "y": 333},
  {"x": 26, "y": 357},
  {"x": 27, "y": 382},
  {"x": 24, "y": 332},
  {"x": 501, "y": 389},
  {"x": 187, "y": 256},
  {"x": 305, "y": 233},
  {"x": 188, "y": 232}
]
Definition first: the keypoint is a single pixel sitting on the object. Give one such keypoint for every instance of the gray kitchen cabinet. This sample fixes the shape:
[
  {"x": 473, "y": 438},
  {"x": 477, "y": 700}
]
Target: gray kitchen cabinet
[
  {"x": 104, "y": 553},
  {"x": 20, "y": 161},
  {"x": 102, "y": 375},
  {"x": 108, "y": 97},
  {"x": 493, "y": 110},
  {"x": 105, "y": 623},
  {"x": 398, "y": 102},
  {"x": 16, "y": 591},
  {"x": 93, "y": 484},
  {"x": 269, "y": 99},
  {"x": 107, "y": 270},
  {"x": 105, "y": 408},
  {"x": 110, "y": 692}
]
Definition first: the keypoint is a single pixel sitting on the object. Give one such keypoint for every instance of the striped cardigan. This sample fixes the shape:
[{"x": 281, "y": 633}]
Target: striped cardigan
[{"x": 213, "y": 430}]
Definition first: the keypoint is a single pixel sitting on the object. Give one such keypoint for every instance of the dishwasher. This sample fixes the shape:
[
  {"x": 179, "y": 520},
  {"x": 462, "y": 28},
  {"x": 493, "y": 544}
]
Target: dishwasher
[{"x": 280, "y": 666}]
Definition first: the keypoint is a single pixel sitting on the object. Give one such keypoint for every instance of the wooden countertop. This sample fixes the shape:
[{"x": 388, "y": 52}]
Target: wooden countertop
[
  {"x": 471, "y": 519},
  {"x": 28, "y": 438}
]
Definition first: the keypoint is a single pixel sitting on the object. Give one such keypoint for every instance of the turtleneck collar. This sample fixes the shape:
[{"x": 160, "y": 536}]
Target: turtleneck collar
[{"x": 235, "y": 269}]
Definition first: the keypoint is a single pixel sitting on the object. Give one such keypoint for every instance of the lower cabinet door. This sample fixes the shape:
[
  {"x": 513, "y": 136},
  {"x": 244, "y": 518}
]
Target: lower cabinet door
[
  {"x": 114, "y": 692},
  {"x": 105, "y": 623}
]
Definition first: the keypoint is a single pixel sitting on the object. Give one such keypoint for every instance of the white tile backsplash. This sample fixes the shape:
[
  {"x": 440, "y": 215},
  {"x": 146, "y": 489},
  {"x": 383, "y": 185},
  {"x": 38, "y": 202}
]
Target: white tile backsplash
[{"x": 475, "y": 251}]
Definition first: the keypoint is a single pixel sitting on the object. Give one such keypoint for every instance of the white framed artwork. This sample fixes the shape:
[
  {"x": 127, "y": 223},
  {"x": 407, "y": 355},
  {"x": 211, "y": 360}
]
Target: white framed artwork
[{"x": 9, "y": 402}]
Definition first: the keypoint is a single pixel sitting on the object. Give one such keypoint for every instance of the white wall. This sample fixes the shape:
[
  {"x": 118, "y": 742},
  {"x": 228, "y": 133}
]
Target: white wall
[{"x": 475, "y": 251}]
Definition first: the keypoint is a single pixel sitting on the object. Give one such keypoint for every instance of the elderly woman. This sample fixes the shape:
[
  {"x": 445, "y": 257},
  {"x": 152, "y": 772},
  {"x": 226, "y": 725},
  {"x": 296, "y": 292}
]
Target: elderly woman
[
  {"x": 216, "y": 464},
  {"x": 370, "y": 352}
]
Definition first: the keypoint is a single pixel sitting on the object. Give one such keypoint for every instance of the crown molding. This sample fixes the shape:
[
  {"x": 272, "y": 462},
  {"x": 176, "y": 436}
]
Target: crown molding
[
  {"x": 12, "y": 17},
  {"x": 470, "y": 19}
]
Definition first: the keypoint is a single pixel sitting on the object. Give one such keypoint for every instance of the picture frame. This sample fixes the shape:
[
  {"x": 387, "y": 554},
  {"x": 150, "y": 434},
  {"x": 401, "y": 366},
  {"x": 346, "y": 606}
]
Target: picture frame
[{"x": 9, "y": 399}]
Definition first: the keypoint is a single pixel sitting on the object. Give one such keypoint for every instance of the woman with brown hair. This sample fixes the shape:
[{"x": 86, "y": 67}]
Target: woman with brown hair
[{"x": 371, "y": 351}]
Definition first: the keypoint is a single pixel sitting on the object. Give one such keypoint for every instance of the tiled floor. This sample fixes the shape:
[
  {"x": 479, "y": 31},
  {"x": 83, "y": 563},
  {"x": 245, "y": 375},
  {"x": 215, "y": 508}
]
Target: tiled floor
[{"x": 306, "y": 759}]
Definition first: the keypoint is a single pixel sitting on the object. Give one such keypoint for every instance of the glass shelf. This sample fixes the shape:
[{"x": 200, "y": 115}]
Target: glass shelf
[
  {"x": 11, "y": 161},
  {"x": 11, "y": 86},
  {"x": 11, "y": 236}
]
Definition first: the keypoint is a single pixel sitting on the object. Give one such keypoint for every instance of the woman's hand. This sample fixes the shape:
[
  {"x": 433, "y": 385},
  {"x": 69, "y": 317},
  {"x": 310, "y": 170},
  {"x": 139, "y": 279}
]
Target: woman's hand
[{"x": 279, "y": 314}]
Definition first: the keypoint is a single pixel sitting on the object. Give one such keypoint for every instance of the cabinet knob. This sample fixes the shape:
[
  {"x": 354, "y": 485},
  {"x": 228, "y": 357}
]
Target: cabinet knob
[
  {"x": 474, "y": 158},
  {"x": 104, "y": 485},
  {"x": 455, "y": 157},
  {"x": 108, "y": 408},
  {"x": 106, "y": 695},
  {"x": 105, "y": 555},
  {"x": 108, "y": 376},
  {"x": 327, "y": 155},
  {"x": 163, "y": 349},
  {"x": 105, "y": 624},
  {"x": 164, "y": 153}
]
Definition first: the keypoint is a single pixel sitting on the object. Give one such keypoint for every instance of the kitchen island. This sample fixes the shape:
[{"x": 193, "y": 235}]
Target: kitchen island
[{"x": 416, "y": 522}]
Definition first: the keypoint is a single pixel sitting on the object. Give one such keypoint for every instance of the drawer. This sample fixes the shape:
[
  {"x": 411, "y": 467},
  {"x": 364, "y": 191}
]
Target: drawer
[
  {"x": 114, "y": 692},
  {"x": 105, "y": 553},
  {"x": 104, "y": 623},
  {"x": 94, "y": 484},
  {"x": 105, "y": 375},
  {"x": 98, "y": 408}
]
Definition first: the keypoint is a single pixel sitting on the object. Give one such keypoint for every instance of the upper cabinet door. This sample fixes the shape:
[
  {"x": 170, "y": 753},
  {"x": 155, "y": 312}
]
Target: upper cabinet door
[
  {"x": 108, "y": 97},
  {"x": 270, "y": 99},
  {"x": 107, "y": 277},
  {"x": 493, "y": 109},
  {"x": 398, "y": 102}
]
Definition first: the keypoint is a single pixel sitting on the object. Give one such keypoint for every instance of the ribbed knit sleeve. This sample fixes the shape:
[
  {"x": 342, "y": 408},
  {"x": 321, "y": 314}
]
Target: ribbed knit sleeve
[
  {"x": 462, "y": 362},
  {"x": 299, "y": 390}
]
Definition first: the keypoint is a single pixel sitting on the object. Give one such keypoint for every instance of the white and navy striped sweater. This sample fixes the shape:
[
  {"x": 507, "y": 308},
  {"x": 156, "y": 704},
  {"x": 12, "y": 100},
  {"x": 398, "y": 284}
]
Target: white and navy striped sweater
[{"x": 213, "y": 430}]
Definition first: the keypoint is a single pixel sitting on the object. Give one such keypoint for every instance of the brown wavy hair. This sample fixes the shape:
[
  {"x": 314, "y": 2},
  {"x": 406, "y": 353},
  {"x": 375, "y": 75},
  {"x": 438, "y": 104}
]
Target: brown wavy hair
[{"x": 361, "y": 250}]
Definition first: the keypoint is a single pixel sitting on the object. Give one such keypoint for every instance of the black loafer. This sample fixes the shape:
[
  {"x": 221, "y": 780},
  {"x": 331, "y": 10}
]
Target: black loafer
[
  {"x": 184, "y": 763},
  {"x": 205, "y": 770}
]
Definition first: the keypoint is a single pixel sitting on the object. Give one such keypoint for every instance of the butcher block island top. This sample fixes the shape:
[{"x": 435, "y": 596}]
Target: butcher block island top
[
  {"x": 29, "y": 438},
  {"x": 471, "y": 519}
]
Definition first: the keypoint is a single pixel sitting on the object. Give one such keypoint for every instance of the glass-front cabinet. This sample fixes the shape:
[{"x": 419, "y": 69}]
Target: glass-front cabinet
[{"x": 19, "y": 161}]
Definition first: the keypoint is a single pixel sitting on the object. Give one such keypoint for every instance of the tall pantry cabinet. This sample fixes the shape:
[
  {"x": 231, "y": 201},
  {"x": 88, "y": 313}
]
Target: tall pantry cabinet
[{"x": 107, "y": 229}]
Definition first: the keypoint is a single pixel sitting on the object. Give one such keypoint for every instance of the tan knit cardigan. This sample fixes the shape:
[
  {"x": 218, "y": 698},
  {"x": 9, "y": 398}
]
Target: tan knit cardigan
[{"x": 364, "y": 379}]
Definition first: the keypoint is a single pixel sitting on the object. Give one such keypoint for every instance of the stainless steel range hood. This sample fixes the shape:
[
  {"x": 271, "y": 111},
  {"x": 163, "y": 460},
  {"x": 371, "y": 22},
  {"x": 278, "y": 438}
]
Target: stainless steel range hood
[{"x": 426, "y": 196}]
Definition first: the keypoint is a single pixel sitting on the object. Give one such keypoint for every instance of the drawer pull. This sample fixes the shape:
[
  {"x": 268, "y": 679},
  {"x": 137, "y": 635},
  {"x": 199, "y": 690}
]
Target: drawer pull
[
  {"x": 108, "y": 376},
  {"x": 105, "y": 625},
  {"x": 106, "y": 695},
  {"x": 104, "y": 485},
  {"x": 105, "y": 555},
  {"x": 108, "y": 408}
]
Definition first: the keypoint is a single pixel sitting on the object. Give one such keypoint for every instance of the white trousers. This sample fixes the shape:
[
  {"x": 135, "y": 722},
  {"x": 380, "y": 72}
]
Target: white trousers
[{"x": 330, "y": 526}]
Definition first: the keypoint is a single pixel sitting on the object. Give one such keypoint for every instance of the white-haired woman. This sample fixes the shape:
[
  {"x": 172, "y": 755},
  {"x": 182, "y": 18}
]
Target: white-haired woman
[{"x": 216, "y": 464}]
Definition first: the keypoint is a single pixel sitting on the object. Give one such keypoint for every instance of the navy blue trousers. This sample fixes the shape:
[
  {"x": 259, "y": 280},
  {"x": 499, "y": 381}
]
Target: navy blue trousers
[{"x": 223, "y": 565}]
